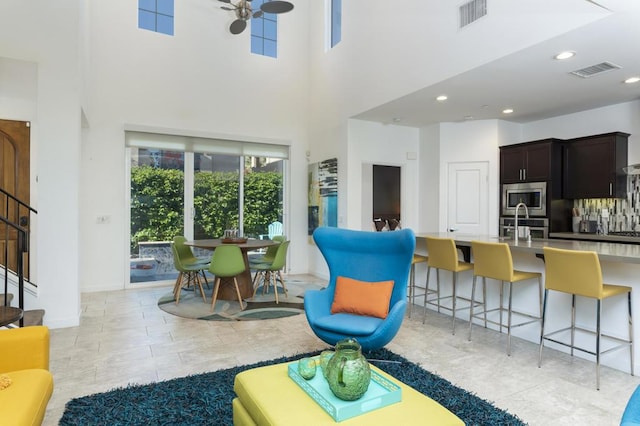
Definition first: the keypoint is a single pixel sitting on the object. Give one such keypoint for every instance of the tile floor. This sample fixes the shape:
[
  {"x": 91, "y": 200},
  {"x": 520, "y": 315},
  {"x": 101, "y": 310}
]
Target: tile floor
[{"x": 124, "y": 338}]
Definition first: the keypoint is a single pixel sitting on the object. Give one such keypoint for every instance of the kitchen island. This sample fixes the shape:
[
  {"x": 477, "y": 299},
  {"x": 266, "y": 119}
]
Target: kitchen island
[
  {"x": 608, "y": 238},
  {"x": 607, "y": 250},
  {"x": 620, "y": 265}
]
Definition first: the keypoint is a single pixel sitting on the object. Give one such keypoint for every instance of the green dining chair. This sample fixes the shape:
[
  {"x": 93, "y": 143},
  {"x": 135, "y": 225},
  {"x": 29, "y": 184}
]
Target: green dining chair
[
  {"x": 187, "y": 275},
  {"x": 269, "y": 273},
  {"x": 188, "y": 259},
  {"x": 227, "y": 262},
  {"x": 270, "y": 254}
]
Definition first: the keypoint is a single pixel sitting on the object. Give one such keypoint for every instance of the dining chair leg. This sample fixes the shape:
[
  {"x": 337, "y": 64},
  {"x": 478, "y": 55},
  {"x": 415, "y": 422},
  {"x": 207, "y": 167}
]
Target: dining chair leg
[
  {"x": 215, "y": 293},
  {"x": 204, "y": 297},
  {"x": 284, "y": 287},
  {"x": 235, "y": 281},
  {"x": 177, "y": 287},
  {"x": 275, "y": 285},
  {"x": 256, "y": 282},
  {"x": 204, "y": 275}
]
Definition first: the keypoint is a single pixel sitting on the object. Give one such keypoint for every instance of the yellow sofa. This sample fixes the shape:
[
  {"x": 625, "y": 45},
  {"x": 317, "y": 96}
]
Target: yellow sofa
[{"x": 24, "y": 357}]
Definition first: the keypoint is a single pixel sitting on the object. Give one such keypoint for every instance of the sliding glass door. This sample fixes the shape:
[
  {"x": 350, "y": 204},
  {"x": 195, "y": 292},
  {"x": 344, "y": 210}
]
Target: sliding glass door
[{"x": 198, "y": 195}]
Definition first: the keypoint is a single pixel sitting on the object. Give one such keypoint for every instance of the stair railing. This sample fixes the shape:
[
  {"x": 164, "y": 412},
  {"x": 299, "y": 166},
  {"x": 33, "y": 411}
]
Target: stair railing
[
  {"x": 21, "y": 248},
  {"x": 21, "y": 231}
]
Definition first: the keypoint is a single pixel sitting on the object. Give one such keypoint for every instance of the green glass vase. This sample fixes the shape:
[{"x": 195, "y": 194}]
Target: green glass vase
[{"x": 348, "y": 372}]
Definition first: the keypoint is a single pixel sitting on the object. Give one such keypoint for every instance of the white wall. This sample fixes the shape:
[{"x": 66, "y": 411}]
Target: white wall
[
  {"x": 470, "y": 142},
  {"x": 386, "y": 145},
  {"x": 387, "y": 52},
  {"x": 623, "y": 117},
  {"x": 204, "y": 81},
  {"x": 46, "y": 34}
]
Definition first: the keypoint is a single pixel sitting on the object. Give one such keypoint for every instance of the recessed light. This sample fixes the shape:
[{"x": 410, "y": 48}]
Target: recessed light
[
  {"x": 507, "y": 111},
  {"x": 565, "y": 55},
  {"x": 632, "y": 80},
  {"x": 396, "y": 120},
  {"x": 468, "y": 117},
  {"x": 441, "y": 98}
]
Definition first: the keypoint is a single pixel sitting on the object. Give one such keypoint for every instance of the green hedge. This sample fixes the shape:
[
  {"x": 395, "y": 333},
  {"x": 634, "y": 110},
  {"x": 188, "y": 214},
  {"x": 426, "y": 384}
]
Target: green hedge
[{"x": 157, "y": 203}]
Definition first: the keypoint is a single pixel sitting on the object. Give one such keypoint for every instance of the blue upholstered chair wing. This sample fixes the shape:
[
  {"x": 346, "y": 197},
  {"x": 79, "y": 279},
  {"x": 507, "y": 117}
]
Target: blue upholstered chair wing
[{"x": 364, "y": 256}]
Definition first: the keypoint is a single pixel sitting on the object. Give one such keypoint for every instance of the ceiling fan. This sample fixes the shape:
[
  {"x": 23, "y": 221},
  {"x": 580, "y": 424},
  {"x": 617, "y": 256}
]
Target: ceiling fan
[{"x": 244, "y": 12}]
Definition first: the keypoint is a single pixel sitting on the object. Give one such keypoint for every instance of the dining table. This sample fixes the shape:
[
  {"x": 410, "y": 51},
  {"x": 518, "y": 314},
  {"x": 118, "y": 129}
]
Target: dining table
[{"x": 227, "y": 291}]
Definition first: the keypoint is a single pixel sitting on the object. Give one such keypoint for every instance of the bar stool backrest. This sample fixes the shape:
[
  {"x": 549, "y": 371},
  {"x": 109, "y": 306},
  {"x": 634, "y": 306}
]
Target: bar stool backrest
[
  {"x": 492, "y": 260},
  {"x": 573, "y": 271},
  {"x": 442, "y": 253}
]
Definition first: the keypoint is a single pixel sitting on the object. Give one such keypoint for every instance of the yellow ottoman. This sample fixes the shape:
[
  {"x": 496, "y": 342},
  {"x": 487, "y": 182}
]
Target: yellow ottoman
[{"x": 267, "y": 396}]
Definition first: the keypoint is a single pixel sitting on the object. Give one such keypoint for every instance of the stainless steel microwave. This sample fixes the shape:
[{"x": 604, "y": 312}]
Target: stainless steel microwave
[{"x": 532, "y": 194}]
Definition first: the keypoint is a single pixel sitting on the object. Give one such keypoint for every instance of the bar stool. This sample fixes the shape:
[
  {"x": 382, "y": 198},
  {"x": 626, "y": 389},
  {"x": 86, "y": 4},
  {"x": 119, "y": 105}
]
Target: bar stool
[
  {"x": 411, "y": 295},
  {"x": 493, "y": 260},
  {"x": 443, "y": 254},
  {"x": 579, "y": 273}
]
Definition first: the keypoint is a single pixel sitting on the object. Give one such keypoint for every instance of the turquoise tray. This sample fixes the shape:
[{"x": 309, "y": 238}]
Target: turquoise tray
[{"x": 381, "y": 393}]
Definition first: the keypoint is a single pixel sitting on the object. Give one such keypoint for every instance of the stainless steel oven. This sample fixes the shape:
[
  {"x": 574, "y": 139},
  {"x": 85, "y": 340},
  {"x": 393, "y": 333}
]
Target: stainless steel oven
[
  {"x": 532, "y": 194},
  {"x": 538, "y": 227}
]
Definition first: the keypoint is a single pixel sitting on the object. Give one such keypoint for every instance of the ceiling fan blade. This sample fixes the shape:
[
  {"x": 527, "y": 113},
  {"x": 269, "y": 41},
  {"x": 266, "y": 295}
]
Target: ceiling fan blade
[
  {"x": 225, "y": 1},
  {"x": 258, "y": 14},
  {"x": 276, "y": 6},
  {"x": 238, "y": 26},
  {"x": 227, "y": 8}
]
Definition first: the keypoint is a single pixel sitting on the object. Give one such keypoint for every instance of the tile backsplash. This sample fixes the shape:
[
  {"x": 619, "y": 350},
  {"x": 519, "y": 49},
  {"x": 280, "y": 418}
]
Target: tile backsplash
[{"x": 624, "y": 214}]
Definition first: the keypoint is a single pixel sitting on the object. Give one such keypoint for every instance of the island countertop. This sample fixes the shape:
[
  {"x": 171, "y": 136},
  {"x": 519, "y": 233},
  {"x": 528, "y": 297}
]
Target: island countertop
[{"x": 607, "y": 251}]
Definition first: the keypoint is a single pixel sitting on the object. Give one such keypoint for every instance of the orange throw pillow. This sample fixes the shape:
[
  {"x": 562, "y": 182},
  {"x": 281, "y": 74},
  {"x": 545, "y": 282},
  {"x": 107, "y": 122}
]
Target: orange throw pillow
[{"x": 362, "y": 298}]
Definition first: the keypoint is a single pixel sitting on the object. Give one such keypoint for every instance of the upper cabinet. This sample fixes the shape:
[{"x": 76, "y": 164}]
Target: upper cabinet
[
  {"x": 593, "y": 166},
  {"x": 531, "y": 162}
]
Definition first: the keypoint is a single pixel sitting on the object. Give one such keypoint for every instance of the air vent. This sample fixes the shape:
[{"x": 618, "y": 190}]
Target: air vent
[
  {"x": 472, "y": 11},
  {"x": 595, "y": 70}
]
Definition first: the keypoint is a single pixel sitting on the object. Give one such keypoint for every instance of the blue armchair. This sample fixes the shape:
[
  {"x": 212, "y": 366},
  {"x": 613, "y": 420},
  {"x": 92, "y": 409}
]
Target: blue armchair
[
  {"x": 364, "y": 256},
  {"x": 631, "y": 415}
]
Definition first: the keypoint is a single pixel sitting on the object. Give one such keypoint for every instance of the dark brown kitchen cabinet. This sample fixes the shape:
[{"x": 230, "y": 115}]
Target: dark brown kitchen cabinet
[
  {"x": 529, "y": 162},
  {"x": 593, "y": 166}
]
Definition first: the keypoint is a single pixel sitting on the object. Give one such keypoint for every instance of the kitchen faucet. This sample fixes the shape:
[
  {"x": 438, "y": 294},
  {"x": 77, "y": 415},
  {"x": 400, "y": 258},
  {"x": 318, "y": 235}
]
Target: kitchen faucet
[{"x": 526, "y": 212}]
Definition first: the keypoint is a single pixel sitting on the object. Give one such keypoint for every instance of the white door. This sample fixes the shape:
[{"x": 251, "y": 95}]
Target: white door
[{"x": 468, "y": 198}]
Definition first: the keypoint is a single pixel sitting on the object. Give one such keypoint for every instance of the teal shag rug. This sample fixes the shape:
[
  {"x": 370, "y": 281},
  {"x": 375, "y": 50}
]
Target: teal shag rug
[{"x": 205, "y": 399}]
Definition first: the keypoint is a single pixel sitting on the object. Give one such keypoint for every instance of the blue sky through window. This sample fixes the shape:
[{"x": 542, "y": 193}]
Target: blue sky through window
[
  {"x": 264, "y": 32},
  {"x": 156, "y": 15},
  {"x": 336, "y": 22}
]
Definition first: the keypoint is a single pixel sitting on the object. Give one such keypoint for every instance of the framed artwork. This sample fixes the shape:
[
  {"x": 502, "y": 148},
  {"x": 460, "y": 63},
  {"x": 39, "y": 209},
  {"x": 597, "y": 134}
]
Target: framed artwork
[{"x": 323, "y": 194}]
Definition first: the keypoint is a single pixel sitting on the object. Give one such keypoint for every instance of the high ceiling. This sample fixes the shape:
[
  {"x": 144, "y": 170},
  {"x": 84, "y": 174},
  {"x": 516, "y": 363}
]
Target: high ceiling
[{"x": 531, "y": 82}]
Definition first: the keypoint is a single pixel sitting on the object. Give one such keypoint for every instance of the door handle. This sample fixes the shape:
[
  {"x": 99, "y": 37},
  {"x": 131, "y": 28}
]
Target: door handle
[
  {"x": 524, "y": 174},
  {"x": 610, "y": 189}
]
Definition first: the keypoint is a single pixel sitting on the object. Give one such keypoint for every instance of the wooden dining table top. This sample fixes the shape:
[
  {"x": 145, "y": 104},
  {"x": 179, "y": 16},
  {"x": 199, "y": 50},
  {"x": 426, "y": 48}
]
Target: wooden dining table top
[{"x": 251, "y": 243}]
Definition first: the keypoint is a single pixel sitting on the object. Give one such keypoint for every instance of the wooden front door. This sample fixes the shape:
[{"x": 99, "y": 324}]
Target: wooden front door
[{"x": 14, "y": 179}]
